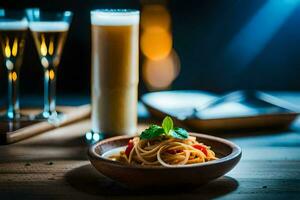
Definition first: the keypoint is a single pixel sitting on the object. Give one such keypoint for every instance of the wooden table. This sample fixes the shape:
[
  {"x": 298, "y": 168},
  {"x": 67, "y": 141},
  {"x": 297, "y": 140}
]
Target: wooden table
[{"x": 54, "y": 165}]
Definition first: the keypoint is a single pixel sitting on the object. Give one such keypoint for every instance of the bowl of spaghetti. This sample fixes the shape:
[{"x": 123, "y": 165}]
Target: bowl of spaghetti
[{"x": 164, "y": 155}]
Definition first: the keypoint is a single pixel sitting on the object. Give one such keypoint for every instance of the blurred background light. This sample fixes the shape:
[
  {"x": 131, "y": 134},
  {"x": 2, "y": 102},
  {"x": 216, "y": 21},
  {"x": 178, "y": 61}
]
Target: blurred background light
[
  {"x": 88, "y": 135},
  {"x": 96, "y": 137},
  {"x": 161, "y": 63},
  {"x": 220, "y": 47},
  {"x": 159, "y": 74},
  {"x": 155, "y": 15},
  {"x": 156, "y": 43},
  {"x": 256, "y": 34}
]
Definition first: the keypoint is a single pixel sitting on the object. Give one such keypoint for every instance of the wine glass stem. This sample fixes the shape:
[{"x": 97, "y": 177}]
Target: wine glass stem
[
  {"x": 13, "y": 98},
  {"x": 49, "y": 91}
]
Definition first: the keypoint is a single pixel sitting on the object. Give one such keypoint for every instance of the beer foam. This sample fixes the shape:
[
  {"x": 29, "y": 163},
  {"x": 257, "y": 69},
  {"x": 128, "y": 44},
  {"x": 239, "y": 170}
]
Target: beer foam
[
  {"x": 14, "y": 25},
  {"x": 117, "y": 17},
  {"x": 55, "y": 26}
]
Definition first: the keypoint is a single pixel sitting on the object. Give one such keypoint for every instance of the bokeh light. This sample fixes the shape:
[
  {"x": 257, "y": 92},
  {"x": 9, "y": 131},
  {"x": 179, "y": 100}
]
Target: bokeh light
[
  {"x": 159, "y": 74},
  {"x": 155, "y": 15},
  {"x": 161, "y": 64},
  {"x": 156, "y": 43}
]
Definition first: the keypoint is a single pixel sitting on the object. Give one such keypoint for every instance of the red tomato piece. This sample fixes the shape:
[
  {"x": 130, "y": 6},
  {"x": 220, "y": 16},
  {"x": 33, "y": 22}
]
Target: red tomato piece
[
  {"x": 129, "y": 148},
  {"x": 201, "y": 148}
]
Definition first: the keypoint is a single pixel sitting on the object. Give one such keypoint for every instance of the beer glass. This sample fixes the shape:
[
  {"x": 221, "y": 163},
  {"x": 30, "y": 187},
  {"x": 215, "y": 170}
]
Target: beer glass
[
  {"x": 13, "y": 29},
  {"x": 115, "y": 55},
  {"x": 49, "y": 30}
]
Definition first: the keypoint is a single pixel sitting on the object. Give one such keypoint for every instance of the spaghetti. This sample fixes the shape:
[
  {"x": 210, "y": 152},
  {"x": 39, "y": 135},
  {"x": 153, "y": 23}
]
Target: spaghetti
[
  {"x": 163, "y": 151},
  {"x": 165, "y": 145}
]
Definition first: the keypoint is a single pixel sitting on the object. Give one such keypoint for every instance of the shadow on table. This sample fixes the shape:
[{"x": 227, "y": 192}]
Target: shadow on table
[
  {"x": 76, "y": 141},
  {"x": 86, "y": 179},
  {"x": 47, "y": 150}
]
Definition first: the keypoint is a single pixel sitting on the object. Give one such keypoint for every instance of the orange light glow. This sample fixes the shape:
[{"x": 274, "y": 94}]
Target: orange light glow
[
  {"x": 156, "y": 43},
  {"x": 159, "y": 74},
  {"x": 161, "y": 64},
  {"x": 43, "y": 46},
  {"x": 7, "y": 51},
  {"x": 51, "y": 46},
  {"x": 15, "y": 47},
  {"x": 155, "y": 15},
  {"x": 51, "y": 74},
  {"x": 12, "y": 76}
]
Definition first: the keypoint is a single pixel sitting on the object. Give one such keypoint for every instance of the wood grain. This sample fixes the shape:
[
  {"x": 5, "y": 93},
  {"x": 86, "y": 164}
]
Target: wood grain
[
  {"x": 53, "y": 165},
  {"x": 71, "y": 114}
]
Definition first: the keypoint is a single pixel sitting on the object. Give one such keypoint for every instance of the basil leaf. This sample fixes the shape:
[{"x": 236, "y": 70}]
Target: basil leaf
[
  {"x": 152, "y": 132},
  {"x": 167, "y": 124},
  {"x": 179, "y": 133},
  {"x": 167, "y": 129}
]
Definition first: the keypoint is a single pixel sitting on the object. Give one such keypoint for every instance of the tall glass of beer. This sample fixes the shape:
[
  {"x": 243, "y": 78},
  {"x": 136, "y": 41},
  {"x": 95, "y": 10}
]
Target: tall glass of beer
[{"x": 115, "y": 55}]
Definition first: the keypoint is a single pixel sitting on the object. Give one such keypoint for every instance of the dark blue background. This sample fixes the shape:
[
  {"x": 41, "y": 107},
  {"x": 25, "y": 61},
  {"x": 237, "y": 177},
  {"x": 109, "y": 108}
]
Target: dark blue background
[{"x": 202, "y": 31}]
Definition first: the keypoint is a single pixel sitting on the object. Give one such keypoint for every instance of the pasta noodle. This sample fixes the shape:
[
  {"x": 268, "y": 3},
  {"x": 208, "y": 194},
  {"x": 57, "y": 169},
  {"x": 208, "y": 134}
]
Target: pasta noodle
[{"x": 165, "y": 151}]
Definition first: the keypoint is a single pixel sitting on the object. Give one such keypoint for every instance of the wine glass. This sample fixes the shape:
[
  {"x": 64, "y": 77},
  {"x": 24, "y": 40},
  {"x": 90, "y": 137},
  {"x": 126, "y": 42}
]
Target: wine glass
[
  {"x": 13, "y": 30},
  {"x": 49, "y": 30}
]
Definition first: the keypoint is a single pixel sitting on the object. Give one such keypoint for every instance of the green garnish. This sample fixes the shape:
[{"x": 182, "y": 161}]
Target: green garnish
[
  {"x": 152, "y": 131},
  {"x": 167, "y": 124},
  {"x": 167, "y": 129}
]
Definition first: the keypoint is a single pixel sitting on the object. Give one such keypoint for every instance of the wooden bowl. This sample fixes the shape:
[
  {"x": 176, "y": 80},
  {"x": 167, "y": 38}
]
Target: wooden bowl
[{"x": 228, "y": 153}]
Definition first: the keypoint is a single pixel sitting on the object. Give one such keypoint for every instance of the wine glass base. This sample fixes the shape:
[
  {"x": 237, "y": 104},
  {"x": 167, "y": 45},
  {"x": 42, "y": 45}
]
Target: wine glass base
[
  {"x": 92, "y": 137},
  {"x": 19, "y": 117},
  {"x": 53, "y": 117}
]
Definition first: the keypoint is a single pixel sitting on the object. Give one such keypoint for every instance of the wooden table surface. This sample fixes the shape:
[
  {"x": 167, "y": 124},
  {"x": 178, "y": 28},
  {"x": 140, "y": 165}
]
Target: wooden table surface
[{"x": 54, "y": 165}]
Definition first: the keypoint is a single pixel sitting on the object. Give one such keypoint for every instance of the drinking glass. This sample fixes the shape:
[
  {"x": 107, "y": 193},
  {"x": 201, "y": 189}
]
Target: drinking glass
[
  {"x": 115, "y": 55},
  {"x": 13, "y": 29},
  {"x": 49, "y": 30}
]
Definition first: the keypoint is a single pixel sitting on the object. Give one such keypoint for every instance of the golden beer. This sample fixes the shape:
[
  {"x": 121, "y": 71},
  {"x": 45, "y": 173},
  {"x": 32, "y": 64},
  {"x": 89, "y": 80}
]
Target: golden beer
[
  {"x": 49, "y": 38},
  {"x": 115, "y": 48},
  {"x": 12, "y": 40}
]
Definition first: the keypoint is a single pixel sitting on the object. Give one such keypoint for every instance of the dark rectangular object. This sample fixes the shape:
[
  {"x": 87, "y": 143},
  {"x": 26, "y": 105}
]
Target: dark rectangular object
[{"x": 206, "y": 112}]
